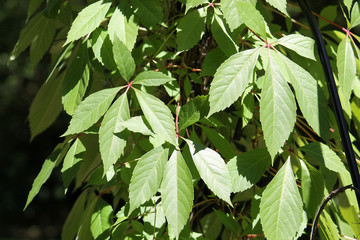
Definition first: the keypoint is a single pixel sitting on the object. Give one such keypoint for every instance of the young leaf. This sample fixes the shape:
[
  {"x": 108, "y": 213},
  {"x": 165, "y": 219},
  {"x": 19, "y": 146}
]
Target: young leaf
[
  {"x": 123, "y": 59},
  {"x": 101, "y": 219},
  {"x": 222, "y": 37},
  {"x": 147, "y": 175},
  {"x": 346, "y": 65},
  {"x": 50, "y": 162},
  {"x": 150, "y": 12},
  {"x": 231, "y": 79},
  {"x": 88, "y": 20},
  {"x": 136, "y": 124},
  {"x": 158, "y": 115},
  {"x": 46, "y": 105},
  {"x": 247, "y": 168},
  {"x": 177, "y": 193},
  {"x": 191, "y": 29},
  {"x": 302, "y": 45},
  {"x": 281, "y": 200},
  {"x": 76, "y": 80},
  {"x": 194, "y": 3},
  {"x": 279, "y": 5},
  {"x": 90, "y": 110},
  {"x": 277, "y": 107},
  {"x": 152, "y": 78},
  {"x": 123, "y": 25},
  {"x": 193, "y": 111},
  {"x": 111, "y": 145},
  {"x": 212, "y": 170}
]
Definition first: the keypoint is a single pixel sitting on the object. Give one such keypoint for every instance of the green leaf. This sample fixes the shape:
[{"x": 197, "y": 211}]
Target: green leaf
[
  {"x": 355, "y": 15},
  {"x": 136, "y": 124},
  {"x": 348, "y": 4},
  {"x": 103, "y": 48},
  {"x": 46, "y": 105},
  {"x": 220, "y": 142},
  {"x": 310, "y": 97},
  {"x": 33, "y": 5},
  {"x": 150, "y": 12},
  {"x": 302, "y": 45},
  {"x": 194, "y": 3},
  {"x": 152, "y": 78},
  {"x": 111, "y": 144},
  {"x": 212, "y": 170},
  {"x": 279, "y": 5},
  {"x": 123, "y": 59},
  {"x": 228, "y": 221},
  {"x": 312, "y": 188},
  {"x": 76, "y": 80},
  {"x": 222, "y": 37},
  {"x": 72, "y": 161},
  {"x": 213, "y": 59},
  {"x": 193, "y": 111},
  {"x": 90, "y": 110},
  {"x": 230, "y": 11},
  {"x": 88, "y": 20},
  {"x": 277, "y": 107},
  {"x": 50, "y": 162},
  {"x": 327, "y": 228},
  {"x": 190, "y": 29},
  {"x": 211, "y": 226},
  {"x": 231, "y": 79},
  {"x": 123, "y": 26},
  {"x": 84, "y": 232},
  {"x": 101, "y": 219},
  {"x": 346, "y": 65},
  {"x": 247, "y": 168},
  {"x": 177, "y": 193},
  {"x": 146, "y": 177},
  {"x": 158, "y": 115},
  {"x": 281, "y": 211}
]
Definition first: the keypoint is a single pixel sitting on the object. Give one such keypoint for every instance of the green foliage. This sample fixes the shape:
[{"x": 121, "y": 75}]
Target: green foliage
[{"x": 193, "y": 119}]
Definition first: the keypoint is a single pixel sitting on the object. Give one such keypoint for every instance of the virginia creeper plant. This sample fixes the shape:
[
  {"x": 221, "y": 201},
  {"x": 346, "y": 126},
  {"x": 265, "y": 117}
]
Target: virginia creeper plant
[{"x": 193, "y": 119}]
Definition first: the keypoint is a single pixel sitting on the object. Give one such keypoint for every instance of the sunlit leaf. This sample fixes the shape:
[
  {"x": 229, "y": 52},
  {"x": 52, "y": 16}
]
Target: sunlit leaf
[
  {"x": 101, "y": 219},
  {"x": 123, "y": 59},
  {"x": 302, "y": 45},
  {"x": 152, "y": 78},
  {"x": 136, "y": 124}
]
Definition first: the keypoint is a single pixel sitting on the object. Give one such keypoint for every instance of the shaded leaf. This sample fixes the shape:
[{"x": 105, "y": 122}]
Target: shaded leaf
[
  {"x": 193, "y": 111},
  {"x": 152, "y": 78},
  {"x": 228, "y": 221},
  {"x": 220, "y": 142},
  {"x": 213, "y": 59},
  {"x": 150, "y": 12},
  {"x": 103, "y": 48},
  {"x": 194, "y": 3},
  {"x": 222, "y": 37},
  {"x": 101, "y": 219}
]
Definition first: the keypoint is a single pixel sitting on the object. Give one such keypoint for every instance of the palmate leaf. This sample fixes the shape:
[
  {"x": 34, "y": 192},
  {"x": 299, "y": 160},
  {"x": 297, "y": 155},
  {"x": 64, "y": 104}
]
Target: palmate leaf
[
  {"x": 302, "y": 45},
  {"x": 212, "y": 170},
  {"x": 101, "y": 219},
  {"x": 50, "y": 163},
  {"x": 346, "y": 65},
  {"x": 147, "y": 175},
  {"x": 281, "y": 211},
  {"x": 88, "y": 20},
  {"x": 231, "y": 79},
  {"x": 230, "y": 12},
  {"x": 123, "y": 25},
  {"x": 149, "y": 12},
  {"x": 152, "y": 78},
  {"x": 190, "y": 30},
  {"x": 177, "y": 193},
  {"x": 90, "y": 110},
  {"x": 277, "y": 106},
  {"x": 137, "y": 124},
  {"x": 158, "y": 115},
  {"x": 123, "y": 59},
  {"x": 103, "y": 48},
  {"x": 111, "y": 145}
]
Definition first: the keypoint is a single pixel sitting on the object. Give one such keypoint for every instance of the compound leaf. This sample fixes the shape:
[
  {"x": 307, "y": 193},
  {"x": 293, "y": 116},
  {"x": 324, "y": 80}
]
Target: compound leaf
[
  {"x": 123, "y": 59},
  {"x": 302, "y": 45},
  {"x": 101, "y": 219},
  {"x": 152, "y": 78}
]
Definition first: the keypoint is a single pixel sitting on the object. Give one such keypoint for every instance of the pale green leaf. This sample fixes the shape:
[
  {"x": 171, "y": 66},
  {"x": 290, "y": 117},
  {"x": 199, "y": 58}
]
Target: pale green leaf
[
  {"x": 346, "y": 65},
  {"x": 221, "y": 144},
  {"x": 72, "y": 161},
  {"x": 355, "y": 15},
  {"x": 88, "y": 20},
  {"x": 212, "y": 170},
  {"x": 281, "y": 211},
  {"x": 158, "y": 115},
  {"x": 46, "y": 105},
  {"x": 152, "y": 78},
  {"x": 312, "y": 188},
  {"x": 146, "y": 177},
  {"x": 76, "y": 80},
  {"x": 190, "y": 29},
  {"x": 150, "y": 12},
  {"x": 101, "y": 219},
  {"x": 194, "y": 3},
  {"x": 137, "y": 124},
  {"x": 302, "y": 45},
  {"x": 123, "y": 25},
  {"x": 279, "y": 5},
  {"x": 177, "y": 193},
  {"x": 123, "y": 59},
  {"x": 231, "y": 13},
  {"x": 222, "y": 37},
  {"x": 277, "y": 107},
  {"x": 111, "y": 144},
  {"x": 247, "y": 168},
  {"x": 231, "y": 79},
  {"x": 50, "y": 163},
  {"x": 193, "y": 111},
  {"x": 103, "y": 48},
  {"x": 90, "y": 110},
  {"x": 310, "y": 98},
  {"x": 348, "y": 4}
]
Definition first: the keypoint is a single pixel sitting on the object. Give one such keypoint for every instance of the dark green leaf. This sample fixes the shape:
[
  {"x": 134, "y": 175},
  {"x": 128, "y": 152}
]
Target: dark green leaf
[
  {"x": 150, "y": 12},
  {"x": 193, "y": 111},
  {"x": 222, "y": 37}
]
